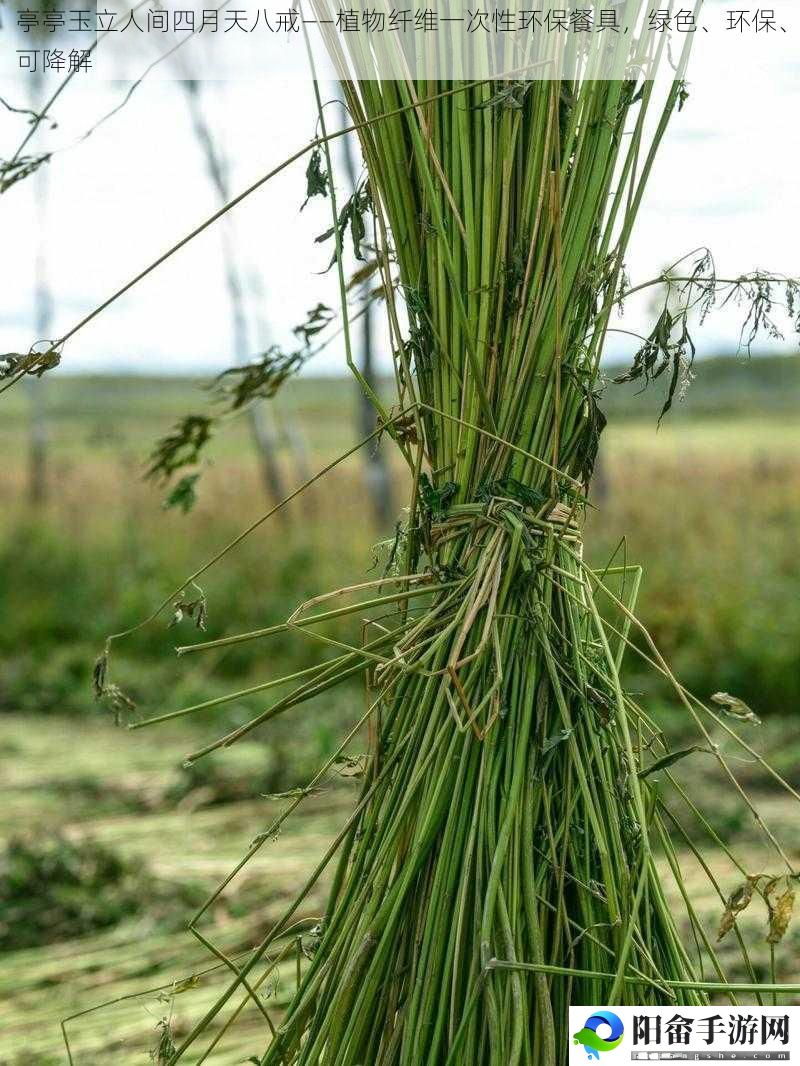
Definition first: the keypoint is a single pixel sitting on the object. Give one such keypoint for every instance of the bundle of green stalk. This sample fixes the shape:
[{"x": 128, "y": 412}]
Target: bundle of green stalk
[
  {"x": 502, "y": 816},
  {"x": 505, "y": 858}
]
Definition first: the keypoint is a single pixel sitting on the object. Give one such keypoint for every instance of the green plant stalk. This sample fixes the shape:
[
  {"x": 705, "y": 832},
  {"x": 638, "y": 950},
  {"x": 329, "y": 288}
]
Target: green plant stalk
[{"x": 394, "y": 980}]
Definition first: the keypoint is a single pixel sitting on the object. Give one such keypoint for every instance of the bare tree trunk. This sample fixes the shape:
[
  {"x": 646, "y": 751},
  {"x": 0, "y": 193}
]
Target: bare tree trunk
[
  {"x": 263, "y": 433},
  {"x": 282, "y": 434},
  {"x": 376, "y": 471},
  {"x": 43, "y": 320},
  {"x": 36, "y": 388}
]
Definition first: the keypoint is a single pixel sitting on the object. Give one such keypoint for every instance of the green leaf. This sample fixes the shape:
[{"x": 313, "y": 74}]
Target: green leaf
[
  {"x": 262, "y": 378},
  {"x": 512, "y": 489},
  {"x": 316, "y": 321},
  {"x": 14, "y": 170},
  {"x": 186, "y": 985},
  {"x": 671, "y": 758},
  {"x": 735, "y": 708},
  {"x": 180, "y": 447},
  {"x": 184, "y": 494},
  {"x": 351, "y": 216},
  {"x": 291, "y": 793},
  {"x": 316, "y": 178},
  {"x": 556, "y": 739},
  {"x": 436, "y": 501},
  {"x": 510, "y": 98}
]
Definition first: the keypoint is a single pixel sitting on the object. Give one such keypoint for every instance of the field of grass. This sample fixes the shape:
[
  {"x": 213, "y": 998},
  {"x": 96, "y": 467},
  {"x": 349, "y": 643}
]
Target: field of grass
[
  {"x": 120, "y": 792},
  {"x": 709, "y": 505},
  {"x": 115, "y": 790}
]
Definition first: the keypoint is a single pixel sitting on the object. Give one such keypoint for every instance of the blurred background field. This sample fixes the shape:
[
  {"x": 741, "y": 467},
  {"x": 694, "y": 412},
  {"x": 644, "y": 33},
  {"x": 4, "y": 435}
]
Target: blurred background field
[{"x": 108, "y": 843}]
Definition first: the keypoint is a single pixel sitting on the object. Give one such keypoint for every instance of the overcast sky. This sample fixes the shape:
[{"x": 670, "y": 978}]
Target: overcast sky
[{"x": 727, "y": 178}]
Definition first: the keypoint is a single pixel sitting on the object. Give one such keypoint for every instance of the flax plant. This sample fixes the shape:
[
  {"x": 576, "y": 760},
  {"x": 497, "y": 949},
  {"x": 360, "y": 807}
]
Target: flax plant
[{"x": 504, "y": 823}]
